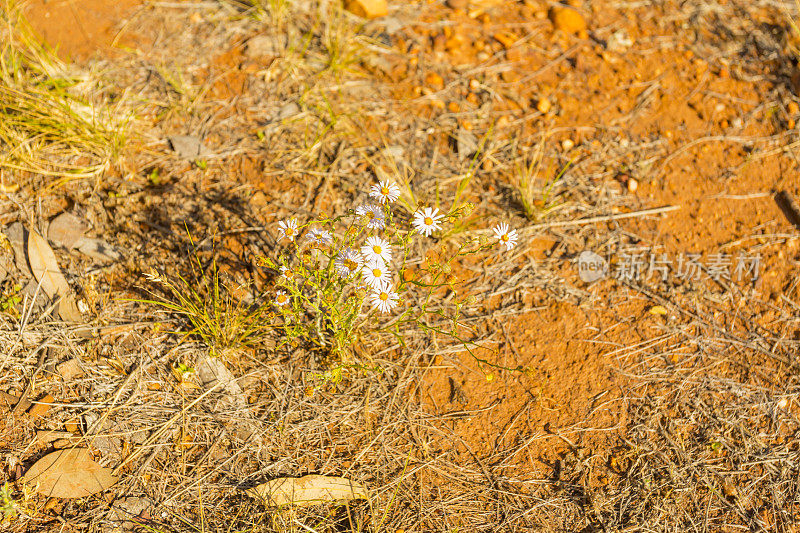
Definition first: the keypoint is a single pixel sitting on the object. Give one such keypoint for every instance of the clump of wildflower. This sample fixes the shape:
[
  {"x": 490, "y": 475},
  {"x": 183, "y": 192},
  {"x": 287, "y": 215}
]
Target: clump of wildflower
[
  {"x": 385, "y": 192},
  {"x": 376, "y": 219},
  {"x": 287, "y": 229},
  {"x": 376, "y": 249},
  {"x": 383, "y": 298},
  {"x": 427, "y": 220},
  {"x": 348, "y": 262},
  {"x": 506, "y": 236}
]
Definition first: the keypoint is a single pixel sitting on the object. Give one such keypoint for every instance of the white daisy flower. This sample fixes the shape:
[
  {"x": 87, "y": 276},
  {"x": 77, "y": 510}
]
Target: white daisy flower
[
  {"x": 375, "y": 214},
  {"x": 376, "y": 249},
  {"x": 506, "y": 236},
  {"x": 384, "y": 299},
  {"x": 347, "y": 263},
  {"x": 281, "y": 298},
  {"x": 385, "y": 192},
  {"x": 287, "y": 272},
  {"x": 375, "y": 274},
  {"x": 318, "y": 236},
  {"x": 427, "y": 220},
  {"x": 288, "y": 229}
]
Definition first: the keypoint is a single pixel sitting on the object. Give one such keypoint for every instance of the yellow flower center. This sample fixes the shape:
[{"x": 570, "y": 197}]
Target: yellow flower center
[
  {"x": 288, "y": 273},
  {"x": 376, "y": 272},
  {"x": 282, "y": 298},
  {"x": 428, "y": 221},
  {"x": 377, "y": 249},
  {"x": 504, "y": 237},
  {"x": 384, "y": 190},
  {"x": 384, "y": 296},
  {"x": 289, "y": 231},
  {"x": 350, "y": 264}
]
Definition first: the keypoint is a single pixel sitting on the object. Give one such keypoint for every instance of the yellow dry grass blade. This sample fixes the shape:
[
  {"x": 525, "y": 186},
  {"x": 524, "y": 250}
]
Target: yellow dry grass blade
[{"x": 46, "y": 127}]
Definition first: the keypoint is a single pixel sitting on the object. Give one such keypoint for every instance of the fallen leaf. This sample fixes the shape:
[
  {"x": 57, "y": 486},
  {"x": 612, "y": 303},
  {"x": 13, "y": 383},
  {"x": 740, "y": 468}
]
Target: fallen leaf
[
  {"x": 68, "y": 474},
  {"x": 308, "y": 490},
  {"x": 45, "y": 269}
]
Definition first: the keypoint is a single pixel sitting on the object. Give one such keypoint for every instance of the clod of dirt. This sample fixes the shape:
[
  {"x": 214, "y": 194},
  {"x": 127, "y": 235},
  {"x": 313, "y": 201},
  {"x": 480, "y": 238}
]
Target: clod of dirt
[
  {"x": 188, "y": 146},
  {"x": 434, "y": 81},
  {"x": 41, "y": 407},
  {"x": 568, "y": 20},
  {"x": 368, "y": 9}
]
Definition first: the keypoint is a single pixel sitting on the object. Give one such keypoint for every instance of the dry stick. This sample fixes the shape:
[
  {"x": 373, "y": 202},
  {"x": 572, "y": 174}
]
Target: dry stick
[
  {"x": 162, "y": 429},
  {"x": 603, "y": 218}
]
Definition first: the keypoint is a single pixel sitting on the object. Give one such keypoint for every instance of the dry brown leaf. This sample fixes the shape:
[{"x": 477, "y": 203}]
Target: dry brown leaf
[
  {"x": 308, "y": 490},
  {"x": 68, "y": 474},
  {"x": 45, "y": 269}
]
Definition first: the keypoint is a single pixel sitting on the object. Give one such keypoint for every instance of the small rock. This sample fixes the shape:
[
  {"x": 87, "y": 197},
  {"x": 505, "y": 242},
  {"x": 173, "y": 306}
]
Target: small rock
[
  {"x": 632, "y": 185},
  {"x": 212, "y": 373},
  {"x": 466, "y": 143},
  {"x": 458, "y": 4},
  {"x": 70, "y": 369},
  {"x": 66, "y": 229},
  {"x": 287, "y": 110},
  {"x": 368, "y": 9},
  {"x": 567, "y": 144},
  {"x": 129, "y": 512},
  {"x": 17, "y": 236},
  {"x": 187, "y": 146},
  {"x": 98, "y": 250},
  {"x": 568, "y": 20},
  {"x": 543, "y": 105},
  {"x": 618, "y": 41}
]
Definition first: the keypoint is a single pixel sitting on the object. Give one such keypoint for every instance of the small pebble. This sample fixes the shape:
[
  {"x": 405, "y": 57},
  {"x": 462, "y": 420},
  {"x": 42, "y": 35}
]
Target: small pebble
[
  {"x": 543, "y": 105},
  {"x": 567, "y": 144},
  {"x": 632, "y": 185}
]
